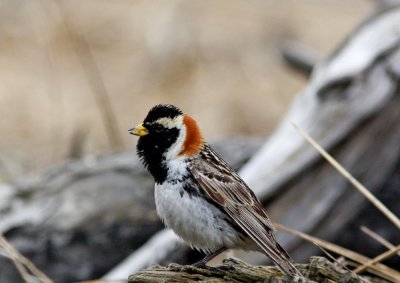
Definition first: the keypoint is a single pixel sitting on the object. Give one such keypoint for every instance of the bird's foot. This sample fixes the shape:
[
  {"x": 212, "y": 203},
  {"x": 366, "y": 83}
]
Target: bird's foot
[{"x": 201, "y": 263}]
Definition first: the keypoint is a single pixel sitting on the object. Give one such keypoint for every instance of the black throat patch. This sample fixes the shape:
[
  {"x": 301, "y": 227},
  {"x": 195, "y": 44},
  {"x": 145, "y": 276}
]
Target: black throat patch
[{"x": 151, "y": 149}]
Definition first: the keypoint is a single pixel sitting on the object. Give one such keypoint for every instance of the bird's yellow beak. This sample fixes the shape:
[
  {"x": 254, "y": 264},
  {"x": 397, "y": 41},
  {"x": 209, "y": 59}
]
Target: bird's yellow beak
[{"x": 139, "y": 130}]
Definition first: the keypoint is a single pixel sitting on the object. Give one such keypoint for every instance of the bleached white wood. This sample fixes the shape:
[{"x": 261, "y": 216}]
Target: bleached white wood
[
  {"x": 327, "y": 117},
  {"x": 326, "y": 114},
  {"x": 156, "y": 250}
]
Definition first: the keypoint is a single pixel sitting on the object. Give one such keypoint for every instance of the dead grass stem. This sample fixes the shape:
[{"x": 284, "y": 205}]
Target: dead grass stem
[
  {"x": 378, "y": 268},
  {"x": 363, "y": 190},
  {"x": 29, "y": 272},
  {"x": 378, "y": 238}
]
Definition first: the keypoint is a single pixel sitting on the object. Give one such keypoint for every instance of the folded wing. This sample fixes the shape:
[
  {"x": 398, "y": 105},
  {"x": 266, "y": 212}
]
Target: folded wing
[{"x": 222, "y": 185}]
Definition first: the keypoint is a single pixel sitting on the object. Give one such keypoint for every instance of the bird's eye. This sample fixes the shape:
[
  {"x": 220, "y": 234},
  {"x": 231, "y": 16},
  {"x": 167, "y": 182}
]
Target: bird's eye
[{"x": 157, "y": 128}]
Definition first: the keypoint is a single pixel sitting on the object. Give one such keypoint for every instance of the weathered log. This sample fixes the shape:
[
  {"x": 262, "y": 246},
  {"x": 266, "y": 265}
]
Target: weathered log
[
  {"x": 349, "y": 102},
  {"x": 299, "y": 58},
  {"x": 233, "y": 270},
  {"x": 344, "y": 91},
  {"x": 87, "y": 215}
]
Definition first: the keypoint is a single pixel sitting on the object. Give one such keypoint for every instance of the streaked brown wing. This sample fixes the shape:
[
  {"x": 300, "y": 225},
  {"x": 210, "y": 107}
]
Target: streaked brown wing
[
  {"x": 228, "y": 190},
  {"x": 223, "y": 185}
]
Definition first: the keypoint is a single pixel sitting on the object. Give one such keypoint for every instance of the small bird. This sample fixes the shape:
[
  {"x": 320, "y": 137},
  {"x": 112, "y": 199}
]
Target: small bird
[{"x": 198, "y": 195}]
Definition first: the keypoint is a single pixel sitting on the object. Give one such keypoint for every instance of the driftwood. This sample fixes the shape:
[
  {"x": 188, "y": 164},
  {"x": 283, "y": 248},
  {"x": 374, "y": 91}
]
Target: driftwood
[
  {"x": 88, "y": 215},
  {"x": 299, "y": 58},
  {"x": 233, "y": 270},
  {"x": 349, "y": 102},
  {"x": 70, "y": 216}
]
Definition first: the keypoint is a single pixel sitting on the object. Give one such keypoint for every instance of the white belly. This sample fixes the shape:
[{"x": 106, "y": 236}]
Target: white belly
[{"x": 196, "y": 221}]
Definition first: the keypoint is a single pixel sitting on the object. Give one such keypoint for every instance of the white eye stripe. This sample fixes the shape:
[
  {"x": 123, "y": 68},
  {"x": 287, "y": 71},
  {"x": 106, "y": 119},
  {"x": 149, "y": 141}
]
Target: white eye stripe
[{"x": 171, "y": 123}]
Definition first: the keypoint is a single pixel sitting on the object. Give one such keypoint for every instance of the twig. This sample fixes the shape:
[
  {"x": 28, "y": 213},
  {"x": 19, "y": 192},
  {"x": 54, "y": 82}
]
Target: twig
[
  {"x": 378, "y": 238},
  {"x": 23, "y": 264},
  {"x": 331, "y": 256},
  {"x": 363, "y": 190},
  {"x": 379, "y": 269},
  {"x": 337, "y": 261},
  {"x": 8, "y": 252},
  {"x": 379, "y": 258}
]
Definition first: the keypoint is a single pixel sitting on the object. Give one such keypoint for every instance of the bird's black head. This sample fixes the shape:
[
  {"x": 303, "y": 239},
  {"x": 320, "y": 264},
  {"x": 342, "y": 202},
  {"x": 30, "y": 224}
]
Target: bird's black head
[
  {"x": 158, "y": 132},
  {"x": 162, "y": 111}
]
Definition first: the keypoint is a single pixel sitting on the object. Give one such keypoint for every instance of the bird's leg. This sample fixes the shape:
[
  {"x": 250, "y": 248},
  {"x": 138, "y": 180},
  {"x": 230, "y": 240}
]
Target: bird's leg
[{"x": 207, "y": 258}]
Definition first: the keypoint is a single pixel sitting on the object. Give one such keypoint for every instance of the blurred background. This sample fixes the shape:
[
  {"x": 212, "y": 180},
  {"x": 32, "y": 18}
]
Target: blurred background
[{"x": 76, "y": 75}]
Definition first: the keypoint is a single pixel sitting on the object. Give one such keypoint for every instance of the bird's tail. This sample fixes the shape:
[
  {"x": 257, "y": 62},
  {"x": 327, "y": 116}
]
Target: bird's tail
[{"x": 284, "y": 262}]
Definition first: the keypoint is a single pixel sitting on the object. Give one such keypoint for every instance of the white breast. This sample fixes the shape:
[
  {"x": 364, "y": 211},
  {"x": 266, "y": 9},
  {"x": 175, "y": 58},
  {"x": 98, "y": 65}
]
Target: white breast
[{"x": 195, "y": 220}]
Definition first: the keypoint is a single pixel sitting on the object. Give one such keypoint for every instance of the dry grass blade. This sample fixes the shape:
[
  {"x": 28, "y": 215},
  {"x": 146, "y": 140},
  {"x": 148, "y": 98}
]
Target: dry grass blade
[
  {"x": 378, "y": 238},
  {"x": 95, "y": 81},
  {"x": 330, "y": 256},
  {"x": 390, "y": 215},
  {"x": 379, "y": 258},
  {"x": 337, "y": 261},
  {"x": 378, "y": 269},
  {"x": 29, "y": 272},
  {"x": 7, "y": 252}
]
